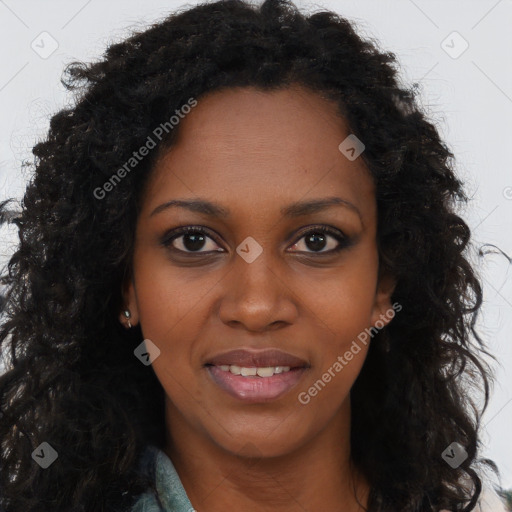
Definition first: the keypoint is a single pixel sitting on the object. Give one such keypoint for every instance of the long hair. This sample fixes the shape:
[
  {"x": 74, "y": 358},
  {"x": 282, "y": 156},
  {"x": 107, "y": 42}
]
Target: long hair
[{"x": 72, "y": 380}]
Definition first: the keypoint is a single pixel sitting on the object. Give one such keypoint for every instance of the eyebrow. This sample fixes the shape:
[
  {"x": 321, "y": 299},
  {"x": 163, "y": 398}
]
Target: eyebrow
[{"x": 296, "y": 209}]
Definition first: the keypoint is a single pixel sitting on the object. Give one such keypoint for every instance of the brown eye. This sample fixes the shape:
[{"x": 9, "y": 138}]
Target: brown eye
[
  {"x": 191, "y": 239},
  {"x": 323, "y": 237}
]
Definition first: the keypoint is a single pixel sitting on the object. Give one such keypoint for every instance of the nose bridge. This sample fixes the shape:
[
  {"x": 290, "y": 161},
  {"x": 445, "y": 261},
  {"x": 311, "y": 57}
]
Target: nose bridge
[
  {"x": 256, "y": 294},
  {"x": 255, "y": 271}
]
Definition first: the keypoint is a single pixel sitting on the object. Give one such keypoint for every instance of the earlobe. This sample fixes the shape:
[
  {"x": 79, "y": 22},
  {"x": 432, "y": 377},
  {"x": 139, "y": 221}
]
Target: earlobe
[{"x": 129, "y": 316}]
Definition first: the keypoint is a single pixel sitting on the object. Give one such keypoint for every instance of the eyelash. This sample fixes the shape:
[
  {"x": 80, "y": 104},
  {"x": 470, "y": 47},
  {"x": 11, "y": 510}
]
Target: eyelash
[{"x": 342, "y": 239}]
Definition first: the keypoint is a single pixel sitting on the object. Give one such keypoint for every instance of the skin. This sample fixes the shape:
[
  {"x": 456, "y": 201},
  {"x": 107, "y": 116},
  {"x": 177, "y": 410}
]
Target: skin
[{"x": 255, "y": 152}]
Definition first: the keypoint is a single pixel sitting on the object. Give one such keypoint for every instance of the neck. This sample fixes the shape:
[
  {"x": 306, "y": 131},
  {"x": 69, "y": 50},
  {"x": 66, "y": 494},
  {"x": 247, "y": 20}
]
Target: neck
[{"x": 317, "y": 475}]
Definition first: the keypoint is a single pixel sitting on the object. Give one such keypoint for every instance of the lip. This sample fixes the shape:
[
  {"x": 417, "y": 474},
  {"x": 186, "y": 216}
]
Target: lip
[
  {"x": 251, "y": 358},
  {"x": 256, "y": 389}
]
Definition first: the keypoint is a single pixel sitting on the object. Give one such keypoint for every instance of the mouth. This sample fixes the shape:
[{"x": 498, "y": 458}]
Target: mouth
[
  {"x": 256, "y": 384},
  {"x": 256, "y": 376}
]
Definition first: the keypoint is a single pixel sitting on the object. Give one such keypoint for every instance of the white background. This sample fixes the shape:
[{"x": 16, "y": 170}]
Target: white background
[{"x": 469, "y": 98}]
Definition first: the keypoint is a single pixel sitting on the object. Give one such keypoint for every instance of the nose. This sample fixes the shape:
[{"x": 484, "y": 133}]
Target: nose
[{"x": 258, "y": 296}]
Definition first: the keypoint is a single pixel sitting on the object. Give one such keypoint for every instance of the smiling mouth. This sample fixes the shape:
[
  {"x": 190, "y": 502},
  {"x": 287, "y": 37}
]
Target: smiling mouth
[
  {"x": 245, "y": 371},
  {"x": 255, "y": 384}
]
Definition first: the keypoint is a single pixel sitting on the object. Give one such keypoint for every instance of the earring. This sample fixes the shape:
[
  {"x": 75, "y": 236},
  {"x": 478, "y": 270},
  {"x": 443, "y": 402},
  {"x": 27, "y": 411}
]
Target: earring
[{"x": 128, "y": 315}]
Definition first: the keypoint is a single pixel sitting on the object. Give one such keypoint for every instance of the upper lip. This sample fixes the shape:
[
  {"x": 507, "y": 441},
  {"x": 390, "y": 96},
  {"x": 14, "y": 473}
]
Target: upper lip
[{"x": 261, "y": 358}]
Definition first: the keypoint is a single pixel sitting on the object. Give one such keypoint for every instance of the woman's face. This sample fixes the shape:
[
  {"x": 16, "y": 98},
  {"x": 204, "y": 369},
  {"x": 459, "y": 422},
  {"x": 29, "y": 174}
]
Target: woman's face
[{"x": 256, "y": 276}]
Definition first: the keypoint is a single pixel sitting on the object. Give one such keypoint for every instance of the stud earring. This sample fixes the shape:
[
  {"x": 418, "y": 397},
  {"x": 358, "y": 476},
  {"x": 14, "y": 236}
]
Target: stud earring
[{"x": 128, "y": 315}]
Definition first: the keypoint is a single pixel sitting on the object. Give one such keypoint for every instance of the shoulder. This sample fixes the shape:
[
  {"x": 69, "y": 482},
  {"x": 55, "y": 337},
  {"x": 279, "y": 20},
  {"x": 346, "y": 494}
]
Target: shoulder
[
  {"x": 168, "y": 494},
  {"x": 148, "y": 502}
]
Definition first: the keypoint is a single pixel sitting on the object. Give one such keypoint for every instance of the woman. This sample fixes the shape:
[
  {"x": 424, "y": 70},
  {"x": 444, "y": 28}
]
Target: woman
[{"x": 241, "y": 283}]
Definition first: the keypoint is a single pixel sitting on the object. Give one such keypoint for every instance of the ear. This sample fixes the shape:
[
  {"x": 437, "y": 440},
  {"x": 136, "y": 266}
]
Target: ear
[
  {"x": 383, "y": 312},
  {"x": 129, "y": 296}
]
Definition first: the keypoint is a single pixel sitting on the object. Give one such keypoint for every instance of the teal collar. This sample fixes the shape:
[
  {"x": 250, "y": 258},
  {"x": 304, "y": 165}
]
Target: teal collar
[{"x": 171, "y": 494}]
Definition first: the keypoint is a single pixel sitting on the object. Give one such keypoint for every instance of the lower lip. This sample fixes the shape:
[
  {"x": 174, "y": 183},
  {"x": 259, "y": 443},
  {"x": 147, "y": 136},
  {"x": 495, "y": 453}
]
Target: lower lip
[{"x": 256, "y": 389}]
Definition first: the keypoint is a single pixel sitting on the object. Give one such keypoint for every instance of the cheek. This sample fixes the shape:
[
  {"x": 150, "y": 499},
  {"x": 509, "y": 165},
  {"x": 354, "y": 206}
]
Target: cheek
[
  {"x": 340, "y": 348},
  {"x": 340, "y": 308},
  {"x": 170, "y": 299},
  {"x": 169, "y": 312},
  {"x": 342, "y": 300},
  {"x": 169, "y": 316}
]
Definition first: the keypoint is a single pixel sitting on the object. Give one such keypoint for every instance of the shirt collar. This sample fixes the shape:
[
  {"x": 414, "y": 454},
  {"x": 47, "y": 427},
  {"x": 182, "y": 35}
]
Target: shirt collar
[{"x": 171, "y": 493}]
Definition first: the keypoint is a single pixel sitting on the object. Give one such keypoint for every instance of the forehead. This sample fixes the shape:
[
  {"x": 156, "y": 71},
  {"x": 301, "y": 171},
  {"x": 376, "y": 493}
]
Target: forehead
[{"x": 252, "y": 146}]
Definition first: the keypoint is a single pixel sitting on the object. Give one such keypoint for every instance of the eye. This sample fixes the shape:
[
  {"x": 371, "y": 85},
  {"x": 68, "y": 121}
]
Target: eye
[
  {"x": 190, "y": 239},
  {"x": 316, "y": 239}
]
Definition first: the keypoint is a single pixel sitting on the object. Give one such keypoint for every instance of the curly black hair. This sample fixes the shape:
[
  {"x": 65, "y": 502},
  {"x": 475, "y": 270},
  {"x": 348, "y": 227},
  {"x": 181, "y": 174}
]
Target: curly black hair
[{"x": 72, "y": 379}]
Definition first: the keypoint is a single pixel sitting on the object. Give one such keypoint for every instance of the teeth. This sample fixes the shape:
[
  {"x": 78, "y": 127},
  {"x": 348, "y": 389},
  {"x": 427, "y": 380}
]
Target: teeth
[
  {"x": 265, "y": 372},
  {"x": 252, "y": 372}
]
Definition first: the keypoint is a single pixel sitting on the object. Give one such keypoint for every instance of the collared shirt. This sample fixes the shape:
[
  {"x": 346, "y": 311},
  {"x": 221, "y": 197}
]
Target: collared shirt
[
  {"x": 173, "y": 498},
  {"x": 171, "y": 494}
]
